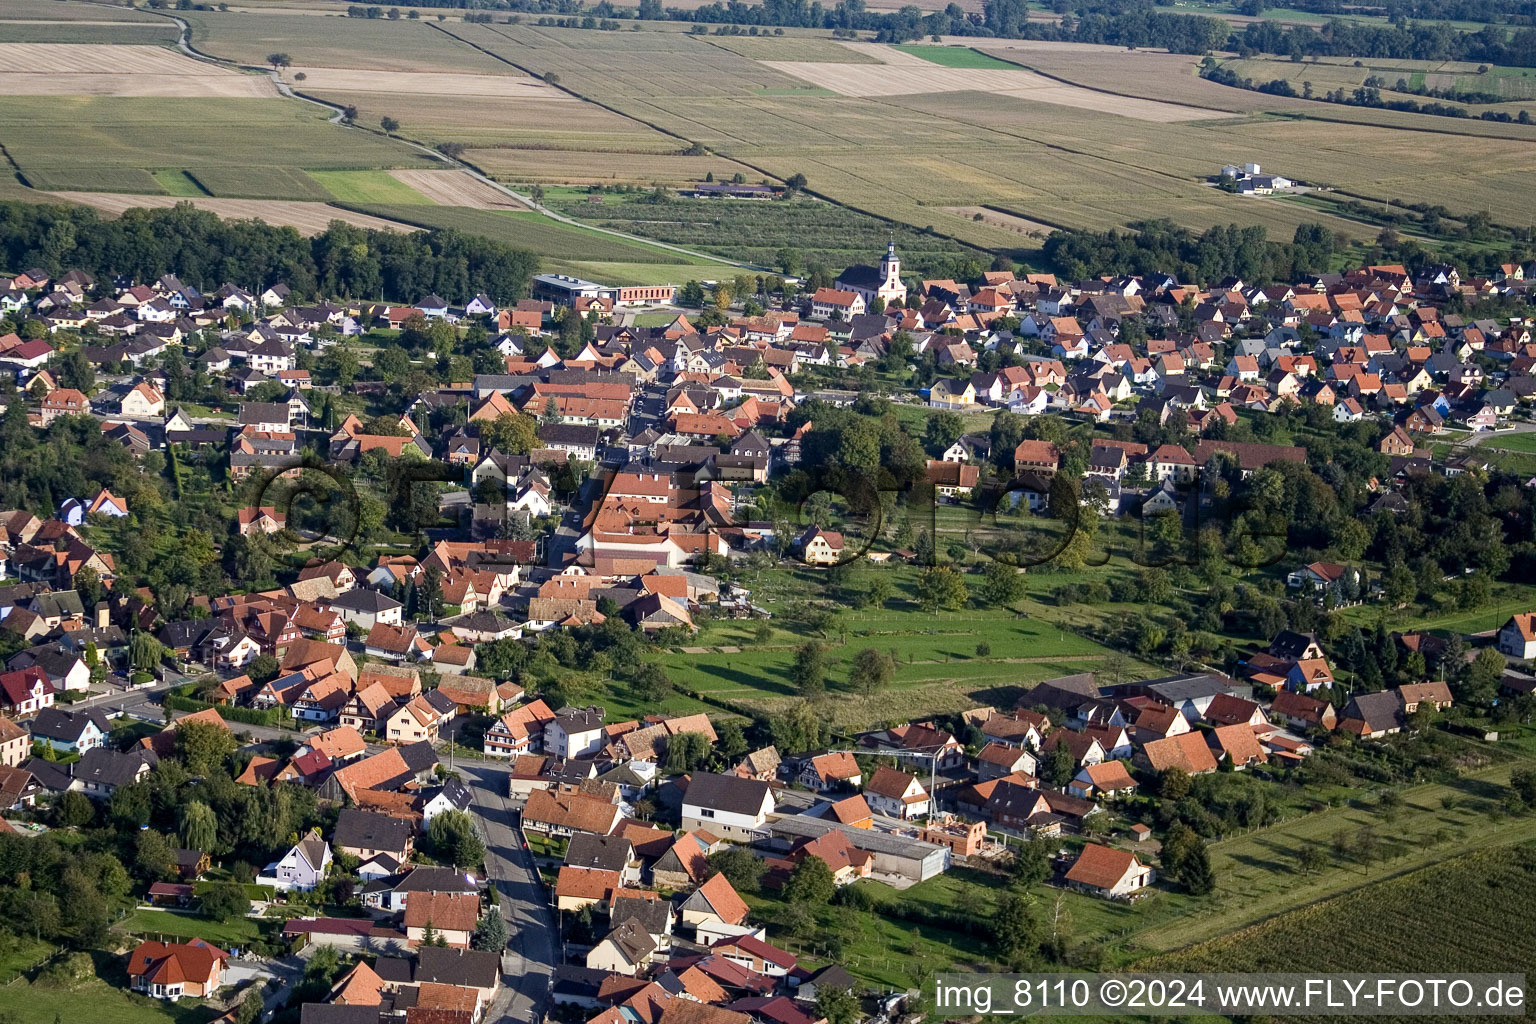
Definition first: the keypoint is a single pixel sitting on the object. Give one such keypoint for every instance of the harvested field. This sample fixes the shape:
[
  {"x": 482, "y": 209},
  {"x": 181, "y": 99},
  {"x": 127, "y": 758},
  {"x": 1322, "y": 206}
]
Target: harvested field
[
  {"x": 414, "y": 83},
  {"x": 63, "y": 134},
  {"x": 51, "y": 11},
  {"x": 878, "y": 81},
  {"x": 75, "y": 69},
  {"x": 113, "y": 33},
  {"x": 1007, "y": 221},
  {"x": 789, "y": 48},
  {"x": 458, "y": 188},
  {"x": 493, "y": 121},
  {"x": 306, "y": 218},
  {"x": 377, "y": 44},
  {"x": 543, "y": 165}
]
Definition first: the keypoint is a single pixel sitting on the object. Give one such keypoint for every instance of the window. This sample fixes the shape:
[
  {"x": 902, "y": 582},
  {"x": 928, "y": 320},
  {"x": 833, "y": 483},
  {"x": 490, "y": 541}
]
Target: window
[{"x": 705, "y": 812}]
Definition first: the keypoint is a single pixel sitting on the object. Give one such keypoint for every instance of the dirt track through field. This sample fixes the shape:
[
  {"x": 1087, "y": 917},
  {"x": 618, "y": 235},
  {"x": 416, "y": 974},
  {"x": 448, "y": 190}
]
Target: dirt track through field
[
  {"x": 874, "y": 81},
  {"x": 457, "y": 188},
  {"x": 306, "y": 218},
  {"x": 80, "y": 69}
]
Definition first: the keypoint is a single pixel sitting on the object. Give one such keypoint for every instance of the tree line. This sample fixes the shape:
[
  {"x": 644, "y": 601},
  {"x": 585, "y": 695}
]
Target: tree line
[
  {"x": 205, "y": 251},
  {"x": 1161, "y": 247}
]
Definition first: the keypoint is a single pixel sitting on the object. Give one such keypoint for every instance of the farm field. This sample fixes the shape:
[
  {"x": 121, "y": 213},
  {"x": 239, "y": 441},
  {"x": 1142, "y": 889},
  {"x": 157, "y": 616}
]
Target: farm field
[
  {"x": 791, "y": 48},
  {"x": 368, "y": 186},
  {"x": 76, "y": 69},
  {"x": 69, "y": 143},
  {"x": 52, "y": 11},
  {"x": 457, "y": 188},
  {"x": 373, "y": 44},
  {"x": 114, "y": 33},
  {"x": 526, "y": 230},
  {"x": 754, "y": 232},
  {"x": 1443, "y": 915},
  {"x": 306, "y": 218},
  {"x": 953, "y": 56},
  {"x": 599, "y": 168},
  {"x": 258, "y": 182}
]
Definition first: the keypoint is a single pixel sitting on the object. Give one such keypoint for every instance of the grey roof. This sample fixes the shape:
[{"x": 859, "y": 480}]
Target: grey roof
[
  {"x": 362, "y": 599},
  {"x": 608, "y": 853},
  {"x": 1380, "y": 710},
  {"x": 419, "y": 756},
  {"x": 111, "y": 768},
  {"x": 263, "y": 412},
  {"x": 371, "y": 830},
  {"x": 67, "y": 726},
  {"x": 434, "y": 879},
  {"x": 338, "y": 1013},
  {"x": 652, "y": 915},
  {"x": 1178, "y": 688},
  {"x": 466, "y": 967},
  {"x": 396, "y": 970},
  {"x": 726, "y": 793},
  {"x": 800, "y": 826}
]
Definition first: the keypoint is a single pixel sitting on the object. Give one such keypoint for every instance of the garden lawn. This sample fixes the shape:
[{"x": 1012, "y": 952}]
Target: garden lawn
[{"x": 177, "y": 926}]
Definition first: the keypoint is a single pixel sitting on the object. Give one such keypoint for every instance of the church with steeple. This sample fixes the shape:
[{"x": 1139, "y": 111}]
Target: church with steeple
[{"x": 882, "y": 282}]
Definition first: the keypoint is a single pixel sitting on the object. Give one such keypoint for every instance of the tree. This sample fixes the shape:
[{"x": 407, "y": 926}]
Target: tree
[
  {"x": 452, "y": 839},
  {"x": 650, "y": 681},
  {"x": 1015, "y": 931},
  {"x": 870, "y": 672},
  {"x": 74, "y": 809},
  {"x": 1003, "y": 585},
  {"x": 879, "y": 591},
  {"x": 1311, "y": 859},
  {"x": 511, "y": 433},
  {"x": 88, "y": 586},
  {"x": 837, "y": 1005},
  {"x": 225, "y": 901},
  {"x": 1063, "y": 765},
  {"x": 389, "y": 124},
  {"x": 279, "y": 61},
  {"x": 1480, "y": 681},
  {"x": 685, "y": 752},
  {"x": 491, "y": 934},
  {"x": 264, "y": 668},
  {"x": 1522, "y": 782},
  {"x": 1031, "y": 864},
  {"x": 199, "y": 828},
  {"x": 810, "y": 882},
  {"x": 809, "y": 672},
  {"x": 943, "y": 429},
  {"x": 743, "y": 870},
  {"x": 144, "y": 651},
  {"x": 153, "y": 857},
  {"x": 940, "y": 586},
  {"x": 202, "y": 747}
]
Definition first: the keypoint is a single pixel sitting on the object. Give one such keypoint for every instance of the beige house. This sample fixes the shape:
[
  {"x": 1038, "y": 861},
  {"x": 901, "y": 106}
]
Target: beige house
[
  {"x": 1105, "y": 871},
  {"x": 821, "y": 547},
  {"x": 15, "y": 743},
  {"x": 143, "y": 400}
]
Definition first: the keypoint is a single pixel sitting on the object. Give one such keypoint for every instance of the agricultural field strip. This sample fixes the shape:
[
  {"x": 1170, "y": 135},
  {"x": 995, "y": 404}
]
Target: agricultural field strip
[
  {"x": 457, "y": 188},
  {"x": 307, "y": 218},
  {"x": 77, "y": 69},
  {"x": 411, "y": 83}
]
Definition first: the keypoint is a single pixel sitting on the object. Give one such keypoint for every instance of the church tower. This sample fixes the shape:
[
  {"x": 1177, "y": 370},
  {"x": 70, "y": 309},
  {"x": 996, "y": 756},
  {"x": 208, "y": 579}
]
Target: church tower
[{"x": 890, "y": 269}]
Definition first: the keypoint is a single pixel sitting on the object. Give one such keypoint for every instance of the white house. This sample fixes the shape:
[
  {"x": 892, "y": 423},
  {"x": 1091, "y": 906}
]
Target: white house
[
  {"x": 575, "y": 732},
  {"x": 302, "y": 868},
  {"x": 726, "y": 806},
  {"x": 1517, "y": 638},
  {"x": 896, "y": 793}
]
